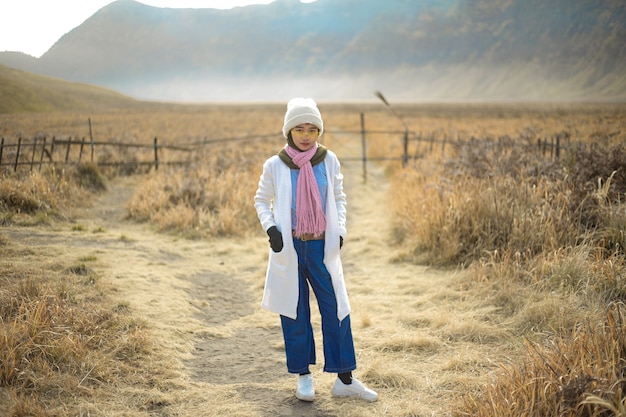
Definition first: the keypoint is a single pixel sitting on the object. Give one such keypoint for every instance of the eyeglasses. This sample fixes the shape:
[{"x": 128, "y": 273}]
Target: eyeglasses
[{"x": 300, "y": 131}]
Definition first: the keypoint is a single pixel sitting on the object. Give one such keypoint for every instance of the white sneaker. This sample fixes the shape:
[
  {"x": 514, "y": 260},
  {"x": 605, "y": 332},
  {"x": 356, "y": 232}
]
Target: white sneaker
[
  {"x": 305, "y": 390},
  {"x": 356, "y": 388}
]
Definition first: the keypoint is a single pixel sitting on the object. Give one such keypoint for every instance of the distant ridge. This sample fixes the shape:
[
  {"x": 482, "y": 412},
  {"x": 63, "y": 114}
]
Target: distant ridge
[
  {"x": 22, "y": 92},
  {"x": 345, "y": 49}
]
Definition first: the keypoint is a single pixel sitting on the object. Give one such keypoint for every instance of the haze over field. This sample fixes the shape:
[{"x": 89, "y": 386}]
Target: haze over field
[{"x": 468, "y": 50}]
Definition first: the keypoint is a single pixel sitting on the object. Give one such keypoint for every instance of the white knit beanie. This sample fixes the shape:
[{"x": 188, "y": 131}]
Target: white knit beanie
[{"x": 300, "y": 111}]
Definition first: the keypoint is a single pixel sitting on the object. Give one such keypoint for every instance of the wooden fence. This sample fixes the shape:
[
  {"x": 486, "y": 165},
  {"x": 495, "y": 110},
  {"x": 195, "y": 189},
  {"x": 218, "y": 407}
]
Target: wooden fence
[
  {"x": 415, "y": 145},
  {"x": 38, "y": 151}
]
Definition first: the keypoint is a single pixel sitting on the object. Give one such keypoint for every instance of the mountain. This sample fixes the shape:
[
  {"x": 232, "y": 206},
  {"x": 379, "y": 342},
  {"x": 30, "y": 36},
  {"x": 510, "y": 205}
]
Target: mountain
[
  {"x": 22, "y": 92},
  {"x": 346, "y": 49}
]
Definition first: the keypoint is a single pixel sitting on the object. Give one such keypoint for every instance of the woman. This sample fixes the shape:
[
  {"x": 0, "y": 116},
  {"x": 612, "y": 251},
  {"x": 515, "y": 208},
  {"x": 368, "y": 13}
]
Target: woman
[{"x": 302, "y": 207}]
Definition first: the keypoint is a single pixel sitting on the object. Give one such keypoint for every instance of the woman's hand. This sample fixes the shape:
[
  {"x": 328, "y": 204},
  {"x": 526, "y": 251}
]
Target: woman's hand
[{"x": 276, "y": 239}]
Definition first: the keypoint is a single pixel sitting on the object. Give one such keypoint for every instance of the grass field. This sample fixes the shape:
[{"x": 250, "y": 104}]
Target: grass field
[{"x": 538, "y": 244}]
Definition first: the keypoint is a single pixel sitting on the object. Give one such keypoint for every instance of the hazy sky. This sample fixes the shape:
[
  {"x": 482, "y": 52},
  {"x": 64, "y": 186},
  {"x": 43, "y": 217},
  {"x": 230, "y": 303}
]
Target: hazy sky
[{"x": 33, "y": 26}]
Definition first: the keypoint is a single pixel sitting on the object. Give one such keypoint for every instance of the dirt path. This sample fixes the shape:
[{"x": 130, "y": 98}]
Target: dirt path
[{"x": 224, "y": 354}]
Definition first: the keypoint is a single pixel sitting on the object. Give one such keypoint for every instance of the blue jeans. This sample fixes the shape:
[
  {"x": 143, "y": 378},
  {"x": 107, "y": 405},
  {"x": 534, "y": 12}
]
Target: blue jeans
[{"x": 338, "y": 345}]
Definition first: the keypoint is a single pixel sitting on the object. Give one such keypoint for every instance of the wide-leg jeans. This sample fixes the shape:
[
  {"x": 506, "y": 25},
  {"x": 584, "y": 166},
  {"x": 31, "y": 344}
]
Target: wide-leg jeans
[{"x": 339, "y": 355}]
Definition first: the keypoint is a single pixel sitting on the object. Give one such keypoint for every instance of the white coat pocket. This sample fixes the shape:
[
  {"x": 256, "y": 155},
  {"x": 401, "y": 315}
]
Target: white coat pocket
[{"x": 278, "y": 264}]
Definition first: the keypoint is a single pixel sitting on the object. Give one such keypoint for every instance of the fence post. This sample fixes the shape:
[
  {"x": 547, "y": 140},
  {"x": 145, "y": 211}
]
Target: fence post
[
  {"x": 67, "y": 150},
  {"x": 17, "y": 153},
  {"x": 405, "y": 159},
  {"x": 156, "y": 155},
  {"x": 80, "y": 152},
  {"x": 1, "y": 148},
  {"x": 52, "y": 149},
  {"x": 43, "y": 150},
  {"x": 558, "y": 147},
  {"x": 364, "y": 148},
  {"x": 32, "y": 157},
  {"x": 91, "y": 139}
]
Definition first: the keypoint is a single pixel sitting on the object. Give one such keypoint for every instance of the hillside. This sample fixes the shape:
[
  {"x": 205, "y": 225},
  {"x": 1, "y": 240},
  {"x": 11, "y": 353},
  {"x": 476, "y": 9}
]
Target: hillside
[
  {"x": 345, "y": 49},
  {"x": 22, "y": 92}
]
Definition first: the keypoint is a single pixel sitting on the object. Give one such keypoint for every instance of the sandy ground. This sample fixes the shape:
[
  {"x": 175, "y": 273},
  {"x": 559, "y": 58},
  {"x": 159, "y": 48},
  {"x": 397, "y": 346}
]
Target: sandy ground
[{"x": 224, "y": 354}]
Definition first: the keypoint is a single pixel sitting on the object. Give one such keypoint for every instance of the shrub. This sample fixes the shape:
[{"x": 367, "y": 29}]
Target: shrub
[
  {"x": 89, "y": 177},
  {"x": 211, "y": 196},
  {"x": 486, "y": 201}
]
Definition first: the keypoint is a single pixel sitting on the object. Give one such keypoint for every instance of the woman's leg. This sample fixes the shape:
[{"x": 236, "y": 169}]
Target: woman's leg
[
  {"x": 298, "y": 333},
  {"x": 338, "y": 344}
]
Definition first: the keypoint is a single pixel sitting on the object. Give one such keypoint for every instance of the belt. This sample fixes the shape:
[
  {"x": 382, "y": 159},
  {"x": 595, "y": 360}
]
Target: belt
[{"x": 307, "y": 236}]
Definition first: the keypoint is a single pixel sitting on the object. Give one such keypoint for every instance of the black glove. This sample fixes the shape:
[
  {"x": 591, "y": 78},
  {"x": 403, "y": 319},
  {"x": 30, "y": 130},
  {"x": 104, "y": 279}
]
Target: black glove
[
  {"x": 276, "y": 239},
  {"x": 340, "y": 242}
]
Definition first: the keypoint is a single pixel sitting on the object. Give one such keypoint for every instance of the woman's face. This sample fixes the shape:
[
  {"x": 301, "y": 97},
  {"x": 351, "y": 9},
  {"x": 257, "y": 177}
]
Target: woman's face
[{"x": 304, "y": 136}]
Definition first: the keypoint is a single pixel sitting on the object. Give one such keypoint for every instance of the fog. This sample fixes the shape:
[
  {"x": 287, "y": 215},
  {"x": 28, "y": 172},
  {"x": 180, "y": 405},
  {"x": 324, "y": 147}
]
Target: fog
[{"x": 428, "y": 84}]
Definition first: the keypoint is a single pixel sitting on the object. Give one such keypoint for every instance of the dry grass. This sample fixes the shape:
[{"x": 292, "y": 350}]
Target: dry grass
[
  {"x": 62, "y": 340},
  {"x": 43, "y": 197},
  {"x": 553, "y": 232},
  {"x": 209, "y": 197},
  {"x": 581, "y": 374}
]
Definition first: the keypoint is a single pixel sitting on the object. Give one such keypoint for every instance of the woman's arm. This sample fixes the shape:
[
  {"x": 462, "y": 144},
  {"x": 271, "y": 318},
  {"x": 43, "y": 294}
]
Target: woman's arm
[
  {"x": 264, "y": 197},
  {"x": 340, "y": 196}
]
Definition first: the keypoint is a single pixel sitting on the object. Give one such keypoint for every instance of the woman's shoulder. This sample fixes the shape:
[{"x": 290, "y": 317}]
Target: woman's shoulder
[
  {"x": 331, "y": 157},
  {"x": 272, "y": 159},
  {"x": 274, "y": 163}
]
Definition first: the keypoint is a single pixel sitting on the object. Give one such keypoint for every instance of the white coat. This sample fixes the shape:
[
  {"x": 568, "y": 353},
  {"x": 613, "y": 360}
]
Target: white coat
[{"x": 273, "y": 205}]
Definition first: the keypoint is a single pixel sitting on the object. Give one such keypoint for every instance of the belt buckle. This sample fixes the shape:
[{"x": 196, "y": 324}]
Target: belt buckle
[{"x": 304, "y": 237}]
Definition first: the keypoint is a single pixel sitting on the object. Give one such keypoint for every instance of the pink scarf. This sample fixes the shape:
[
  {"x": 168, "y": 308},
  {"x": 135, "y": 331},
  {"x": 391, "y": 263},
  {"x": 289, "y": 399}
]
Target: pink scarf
[{"x": 309, "y": 213}]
